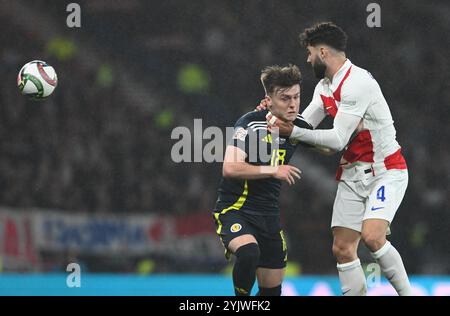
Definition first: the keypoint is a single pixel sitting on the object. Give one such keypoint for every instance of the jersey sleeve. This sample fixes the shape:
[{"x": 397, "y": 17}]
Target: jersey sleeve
[
  {"x": 240, "y": 137},
  {"x": 315, "y": 111},
  {"x": 356, "y": 97},
  {"x": 302, "y": 123},
  {"x": 336, "y": 138}
]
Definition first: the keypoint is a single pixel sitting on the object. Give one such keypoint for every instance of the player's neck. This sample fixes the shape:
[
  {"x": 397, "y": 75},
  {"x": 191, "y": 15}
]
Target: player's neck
[{"x": 334, "y": 65}]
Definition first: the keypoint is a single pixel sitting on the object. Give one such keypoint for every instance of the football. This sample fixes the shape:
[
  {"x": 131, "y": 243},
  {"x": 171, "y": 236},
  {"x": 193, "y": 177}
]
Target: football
[{"x": 37, "y": 79}]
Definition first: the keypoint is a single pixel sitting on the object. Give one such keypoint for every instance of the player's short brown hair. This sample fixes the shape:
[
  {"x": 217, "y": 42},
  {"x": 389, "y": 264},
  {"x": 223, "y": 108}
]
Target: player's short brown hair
[
  {"x": 326, "y": 33},
  {"x": 273, "y": 77}
]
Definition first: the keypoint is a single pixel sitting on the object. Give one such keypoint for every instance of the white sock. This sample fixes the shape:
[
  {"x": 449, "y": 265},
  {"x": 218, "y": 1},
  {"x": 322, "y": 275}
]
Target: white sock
[
  {"x": 392, "y": 267},
  {"x": 352, "y": 278}
]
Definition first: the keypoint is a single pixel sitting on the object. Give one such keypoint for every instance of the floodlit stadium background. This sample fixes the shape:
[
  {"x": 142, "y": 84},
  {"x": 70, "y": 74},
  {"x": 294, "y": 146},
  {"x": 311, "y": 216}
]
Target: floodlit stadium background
[{"x": 87, "y": 177}]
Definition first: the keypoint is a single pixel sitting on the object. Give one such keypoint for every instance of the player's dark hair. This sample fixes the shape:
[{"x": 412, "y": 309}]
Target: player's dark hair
[
  {"x": 281, "y": 77},
  {"x": 326, "y": 33}
]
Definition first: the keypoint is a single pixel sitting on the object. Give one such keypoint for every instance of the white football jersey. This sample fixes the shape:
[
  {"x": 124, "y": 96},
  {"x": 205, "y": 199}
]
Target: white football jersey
[{"x": 374, "y": 148}]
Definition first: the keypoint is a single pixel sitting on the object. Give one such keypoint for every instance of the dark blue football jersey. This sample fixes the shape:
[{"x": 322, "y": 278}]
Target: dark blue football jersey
[{"x": 257, "y": 197}]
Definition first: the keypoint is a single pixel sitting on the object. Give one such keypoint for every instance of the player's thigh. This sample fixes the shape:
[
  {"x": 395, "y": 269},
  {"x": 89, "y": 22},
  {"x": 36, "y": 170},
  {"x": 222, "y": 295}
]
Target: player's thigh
[
  {"x": 240, "y": 241},
  {"x": 374, "y": 226},
  {"x": 349, "y": 206},
  {"x": 234, "y": 229},
  {"x": 386, "y": 195},
  {"x": 270, "y": 278}
]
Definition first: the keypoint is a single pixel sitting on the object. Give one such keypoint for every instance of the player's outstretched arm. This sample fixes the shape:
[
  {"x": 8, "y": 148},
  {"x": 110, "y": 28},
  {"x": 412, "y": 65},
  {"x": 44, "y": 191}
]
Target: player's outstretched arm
[
  {"x": 347, "y": 122},
  {"x": 286, "y": 128},
  {"x": 234, "y": 166},
  {"x": 334, "y": 139}
]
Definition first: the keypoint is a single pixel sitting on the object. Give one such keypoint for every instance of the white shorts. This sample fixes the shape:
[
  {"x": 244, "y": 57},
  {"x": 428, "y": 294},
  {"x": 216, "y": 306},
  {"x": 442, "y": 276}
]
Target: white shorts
[{"x": 375, "y": 197}]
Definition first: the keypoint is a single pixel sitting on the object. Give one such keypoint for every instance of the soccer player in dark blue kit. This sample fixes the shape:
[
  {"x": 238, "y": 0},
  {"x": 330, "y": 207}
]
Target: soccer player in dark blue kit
[{"x": 247, "y": 214}]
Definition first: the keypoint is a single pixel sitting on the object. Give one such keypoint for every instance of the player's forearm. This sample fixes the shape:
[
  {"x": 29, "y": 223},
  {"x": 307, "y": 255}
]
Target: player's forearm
[
  {"x": 335, "y": 139},
  {"x": 243, "y": 170},
  {"x": 327, "y": 138},
  {"x": 313, "y": 114}
]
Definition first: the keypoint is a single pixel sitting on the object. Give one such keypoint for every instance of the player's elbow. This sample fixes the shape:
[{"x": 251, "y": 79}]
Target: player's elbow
[
  {"x": 341, "y": 142},
  {"x": 228, "y": 170},
  {"x": 338, "y": 148}
]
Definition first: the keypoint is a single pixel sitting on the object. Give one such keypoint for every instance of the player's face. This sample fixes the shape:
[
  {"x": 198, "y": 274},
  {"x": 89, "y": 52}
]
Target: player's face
[
  {"x": 285, "y": 103},
  {"x": 316, "y": 61}
]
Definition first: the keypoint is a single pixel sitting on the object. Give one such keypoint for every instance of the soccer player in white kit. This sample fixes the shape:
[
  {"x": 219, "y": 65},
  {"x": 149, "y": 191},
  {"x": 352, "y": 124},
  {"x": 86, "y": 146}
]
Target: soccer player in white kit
[{"x": 372, "y": 174}]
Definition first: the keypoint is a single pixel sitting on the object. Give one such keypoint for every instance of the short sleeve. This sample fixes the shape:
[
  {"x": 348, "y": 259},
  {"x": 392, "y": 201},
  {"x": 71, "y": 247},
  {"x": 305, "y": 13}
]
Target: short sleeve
[
  {"x": 302, "y": 123},
  {"x": 240, "y": 135}
]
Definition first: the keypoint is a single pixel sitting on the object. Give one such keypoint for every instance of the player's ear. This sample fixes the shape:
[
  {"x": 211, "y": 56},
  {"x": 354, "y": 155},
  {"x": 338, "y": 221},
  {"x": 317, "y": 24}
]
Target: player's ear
[
  {"x": 322, "y": 52},
  {"x": 268, "y": 101}
]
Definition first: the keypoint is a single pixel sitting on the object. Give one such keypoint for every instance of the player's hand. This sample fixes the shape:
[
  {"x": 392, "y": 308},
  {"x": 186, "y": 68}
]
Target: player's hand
[
  {"x": 284, "y": 128},
  {"x": 287, "y": 173},
  {"x": 262, "y": 105}
]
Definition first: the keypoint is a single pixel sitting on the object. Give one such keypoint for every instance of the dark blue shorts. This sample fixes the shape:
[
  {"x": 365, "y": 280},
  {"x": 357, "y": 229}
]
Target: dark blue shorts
[{"x": 266, "y": 230}]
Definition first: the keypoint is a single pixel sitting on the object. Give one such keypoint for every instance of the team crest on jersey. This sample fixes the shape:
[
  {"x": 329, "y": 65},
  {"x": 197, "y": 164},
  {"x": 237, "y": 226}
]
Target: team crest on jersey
[
  {"x": 280, "y": 141},
  {"x": 235, "y": 228}
]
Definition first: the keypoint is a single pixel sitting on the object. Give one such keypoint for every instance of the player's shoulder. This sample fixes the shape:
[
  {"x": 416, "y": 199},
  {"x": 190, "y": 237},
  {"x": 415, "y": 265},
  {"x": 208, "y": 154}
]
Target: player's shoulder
[
  {"x": 359, "y": 81},
  {"x": 252, "y": 119},
  {"x": 360, "y": 76}
]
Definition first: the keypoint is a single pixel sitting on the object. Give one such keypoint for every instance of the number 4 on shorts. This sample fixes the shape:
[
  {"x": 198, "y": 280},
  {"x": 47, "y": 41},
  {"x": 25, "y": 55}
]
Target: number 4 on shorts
[{"x": 380, "y": 194}]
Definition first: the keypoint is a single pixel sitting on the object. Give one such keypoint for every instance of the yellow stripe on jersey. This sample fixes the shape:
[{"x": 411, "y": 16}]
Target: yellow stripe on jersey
[
  {"x": 284, "y": 244},
  {"x": 236, "y": 206}
]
